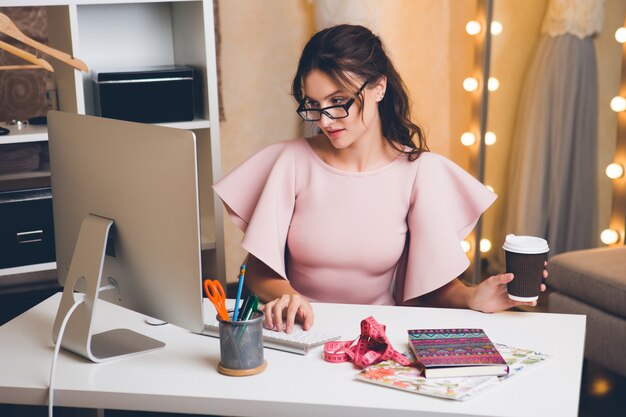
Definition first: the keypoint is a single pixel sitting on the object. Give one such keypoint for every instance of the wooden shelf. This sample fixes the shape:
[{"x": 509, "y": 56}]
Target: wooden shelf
[
  {"x": 25, "y": 175},
  {"x": 25, "y": 180}
]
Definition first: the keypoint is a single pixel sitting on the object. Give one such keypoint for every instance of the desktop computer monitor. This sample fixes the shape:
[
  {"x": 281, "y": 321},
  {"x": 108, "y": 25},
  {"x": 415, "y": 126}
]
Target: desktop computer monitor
[{"x": 126, "y": 217}]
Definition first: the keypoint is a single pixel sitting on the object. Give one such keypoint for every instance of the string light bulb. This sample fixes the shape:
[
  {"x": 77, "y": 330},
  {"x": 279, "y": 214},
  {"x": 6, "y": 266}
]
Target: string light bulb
[
  {"x": 485, "y": 245},
  {"x": 496, "y": 28},
  {"x": 609, "y": 236},
  {"x": 618, "y": 104},
  {"x": 615, "y": 171},
  {"x": 468, "y": 139},
  {"x": 620, "y": 35},
  {"x": 600, "y": 387},
  {"x": 493, "y": 84},
  {"x": 473, "y": 27},
  {"x": 466, "y": 246},
  {"x": 470, "y": 84},
  {"x": 490, "y": 138}
]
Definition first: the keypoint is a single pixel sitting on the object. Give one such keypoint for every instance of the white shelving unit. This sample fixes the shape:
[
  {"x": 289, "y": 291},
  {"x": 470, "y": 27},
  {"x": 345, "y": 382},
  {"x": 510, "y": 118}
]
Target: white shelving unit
[
  {"x": 24, "y": 134},
  {"x": 114, "y": 34}
]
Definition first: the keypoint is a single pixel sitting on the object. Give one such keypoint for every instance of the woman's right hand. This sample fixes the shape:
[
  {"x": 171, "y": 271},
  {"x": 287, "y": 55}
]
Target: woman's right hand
[{"x": 285, "y": 310}]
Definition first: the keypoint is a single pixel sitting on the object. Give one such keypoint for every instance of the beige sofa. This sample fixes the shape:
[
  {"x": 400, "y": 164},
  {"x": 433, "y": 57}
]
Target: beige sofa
[{"x": 593, "y": 282}]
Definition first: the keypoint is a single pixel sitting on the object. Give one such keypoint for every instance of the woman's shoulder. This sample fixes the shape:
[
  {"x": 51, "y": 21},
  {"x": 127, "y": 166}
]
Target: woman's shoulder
[
  {"x": 433, "y": 170},
  {"x": 281, "y": 145},
  {"x": 433, "y": 158},
  {"x": 291, "y": 147},
  {"x": 290, "y": 143},
  {"x": 425, "y": 162},
  {"x": 428, "y": 161},
  {"x": 275, "y": 153}
]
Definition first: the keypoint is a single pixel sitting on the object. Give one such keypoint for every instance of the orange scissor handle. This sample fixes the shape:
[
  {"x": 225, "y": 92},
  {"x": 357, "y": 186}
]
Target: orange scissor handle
[{"x": 215, "y": 292}]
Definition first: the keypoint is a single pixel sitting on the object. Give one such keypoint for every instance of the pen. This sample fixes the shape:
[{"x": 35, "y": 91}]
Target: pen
[
  {"x": 244, "y": 307},
  {"x": 254, "y": 304},
  {"x": 247, "y": 314},
  {"x": 242, "y": 274}
]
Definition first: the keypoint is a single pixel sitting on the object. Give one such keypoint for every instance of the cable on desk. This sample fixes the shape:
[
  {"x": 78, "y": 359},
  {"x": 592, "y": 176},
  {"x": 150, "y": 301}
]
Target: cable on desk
[
  {"x": 57, "y": 347},
  {"x": 56, "y": 353}
]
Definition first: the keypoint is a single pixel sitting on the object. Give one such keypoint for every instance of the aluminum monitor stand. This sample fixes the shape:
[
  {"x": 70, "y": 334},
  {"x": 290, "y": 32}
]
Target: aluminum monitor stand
[{"x": 87, "y": 264}]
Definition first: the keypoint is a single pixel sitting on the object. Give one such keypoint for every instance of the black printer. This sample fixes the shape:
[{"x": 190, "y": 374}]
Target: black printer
[{"x": 148, "y": 95}]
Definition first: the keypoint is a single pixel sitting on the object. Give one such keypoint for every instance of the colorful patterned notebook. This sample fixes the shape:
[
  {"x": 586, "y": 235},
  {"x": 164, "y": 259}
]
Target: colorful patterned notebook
[
  {"x": 445, "y": 353},
  {"x": 407, "y": 378}
]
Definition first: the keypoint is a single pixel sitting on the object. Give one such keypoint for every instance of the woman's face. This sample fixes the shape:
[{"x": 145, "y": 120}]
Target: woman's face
[{"x": 362, "y": 122}]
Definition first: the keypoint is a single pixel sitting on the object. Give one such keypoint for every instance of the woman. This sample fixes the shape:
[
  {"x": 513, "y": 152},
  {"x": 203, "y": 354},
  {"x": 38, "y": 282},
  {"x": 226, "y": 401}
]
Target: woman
[{"x": 361, "y": 212}]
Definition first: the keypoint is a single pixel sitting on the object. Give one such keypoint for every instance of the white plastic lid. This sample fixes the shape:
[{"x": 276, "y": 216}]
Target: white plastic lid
[{"x": 525, "y": 244}]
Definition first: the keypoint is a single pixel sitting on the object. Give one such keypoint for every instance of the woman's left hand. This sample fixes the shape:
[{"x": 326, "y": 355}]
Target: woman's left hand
[{"x": 491, "y": 294}]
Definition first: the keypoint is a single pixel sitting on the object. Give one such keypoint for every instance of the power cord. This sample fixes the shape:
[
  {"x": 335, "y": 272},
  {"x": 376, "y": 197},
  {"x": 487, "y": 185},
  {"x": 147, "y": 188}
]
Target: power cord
[
  {"x": 57, "y": 347},
  {"x": 56, "y": 353}
]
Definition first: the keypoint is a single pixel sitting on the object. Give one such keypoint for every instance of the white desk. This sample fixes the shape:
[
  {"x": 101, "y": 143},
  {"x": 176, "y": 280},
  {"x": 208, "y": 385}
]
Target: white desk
[{"x": 183, "y": 377}]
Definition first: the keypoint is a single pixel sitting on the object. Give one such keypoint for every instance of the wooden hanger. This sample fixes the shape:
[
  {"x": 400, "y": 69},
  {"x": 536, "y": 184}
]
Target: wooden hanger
[
  {"x": 8, "y": 27},
  {"x": 39, "y": 63}
]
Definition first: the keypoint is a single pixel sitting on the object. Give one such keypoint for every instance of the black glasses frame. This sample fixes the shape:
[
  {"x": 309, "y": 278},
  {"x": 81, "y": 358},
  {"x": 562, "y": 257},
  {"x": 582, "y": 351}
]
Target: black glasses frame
[{"x": 301, "y": 109}]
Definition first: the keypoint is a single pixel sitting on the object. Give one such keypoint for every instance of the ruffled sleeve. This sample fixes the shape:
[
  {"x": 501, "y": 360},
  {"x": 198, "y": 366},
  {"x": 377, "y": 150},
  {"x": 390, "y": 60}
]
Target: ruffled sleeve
[
  {"x": 259, "y": 196},
  {"x": 446, "y": 203}
]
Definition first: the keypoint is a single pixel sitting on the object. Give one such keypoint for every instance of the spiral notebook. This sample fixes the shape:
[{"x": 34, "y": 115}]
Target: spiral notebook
[{"x": 393, "y": 375}]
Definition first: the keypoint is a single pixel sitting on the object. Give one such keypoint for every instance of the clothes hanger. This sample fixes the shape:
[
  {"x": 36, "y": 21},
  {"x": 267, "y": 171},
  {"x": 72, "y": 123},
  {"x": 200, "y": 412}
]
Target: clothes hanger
[
  {"x": 39, "y": 63},
  {"x": 8, "y": 27}
]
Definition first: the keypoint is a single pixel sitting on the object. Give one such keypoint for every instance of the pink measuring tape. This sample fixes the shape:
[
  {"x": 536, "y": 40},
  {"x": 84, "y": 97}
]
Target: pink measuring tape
[{"x": 372, "y": 346}]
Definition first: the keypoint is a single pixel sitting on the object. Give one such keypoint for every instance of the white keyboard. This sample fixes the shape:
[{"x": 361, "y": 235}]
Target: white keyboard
[{"x": 298, "y": 341}]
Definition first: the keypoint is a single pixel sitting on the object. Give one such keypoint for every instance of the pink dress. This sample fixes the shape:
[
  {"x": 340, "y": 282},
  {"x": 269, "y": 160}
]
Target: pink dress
[{"x": 377, "y": 237}]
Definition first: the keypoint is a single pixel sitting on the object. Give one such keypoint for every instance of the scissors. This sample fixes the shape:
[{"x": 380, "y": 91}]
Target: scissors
[{"x": 215, "y": 292}]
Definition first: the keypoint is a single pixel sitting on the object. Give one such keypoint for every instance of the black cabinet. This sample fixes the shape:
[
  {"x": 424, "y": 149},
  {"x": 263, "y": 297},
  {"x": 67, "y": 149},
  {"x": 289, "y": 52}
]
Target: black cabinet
[{"x": 26, "y": 227}]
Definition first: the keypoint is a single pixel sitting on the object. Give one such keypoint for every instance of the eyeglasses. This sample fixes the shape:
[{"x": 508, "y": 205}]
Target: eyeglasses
[{"x": 339, "y": 111}]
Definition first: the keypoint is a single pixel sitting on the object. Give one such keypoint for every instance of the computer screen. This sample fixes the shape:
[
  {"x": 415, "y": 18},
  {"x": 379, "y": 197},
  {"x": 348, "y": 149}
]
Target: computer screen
[{"x": 133, "y": 189}]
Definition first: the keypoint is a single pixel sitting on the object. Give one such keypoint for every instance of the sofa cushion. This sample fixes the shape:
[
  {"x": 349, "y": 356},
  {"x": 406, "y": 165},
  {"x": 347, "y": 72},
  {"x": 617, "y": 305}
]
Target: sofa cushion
[
  {"x": 595, "y": 276},
  {"x": 605, "y": 333}
]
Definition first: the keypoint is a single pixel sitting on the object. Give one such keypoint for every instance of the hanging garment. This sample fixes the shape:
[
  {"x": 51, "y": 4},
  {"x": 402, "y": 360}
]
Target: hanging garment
[{"x": 553, "y": 166}]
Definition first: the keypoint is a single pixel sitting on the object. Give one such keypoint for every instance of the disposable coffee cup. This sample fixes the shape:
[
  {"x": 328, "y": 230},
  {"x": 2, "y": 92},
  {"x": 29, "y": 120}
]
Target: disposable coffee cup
[
  {"x": 525, "y": 258},
  {"x": 241, "y": 346}
]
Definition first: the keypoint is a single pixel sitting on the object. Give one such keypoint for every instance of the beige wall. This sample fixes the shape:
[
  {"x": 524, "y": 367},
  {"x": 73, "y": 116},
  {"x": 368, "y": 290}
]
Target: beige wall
[
  {"x": 416, "y": 34},
  {"x": 426, "y": 39},
  {"x": 261, "y": 43}
]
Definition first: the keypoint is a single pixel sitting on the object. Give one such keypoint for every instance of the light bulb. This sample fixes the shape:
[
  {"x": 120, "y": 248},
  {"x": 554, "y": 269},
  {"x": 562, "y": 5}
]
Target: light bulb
[
  {"x": 493, "y": 84},
  {"x": 620, "y": 35},
  {"x": 609, "y": 236},
  {"x": 466, "y": 246},
  {"x": 490, "y": 138},
  {"x": 496, "y": 27},
  {"x": 485, "y": 245},
  {"x": 615, "y": 170},
  {"x": 490, "y": 188},
  {"x": 470, "y": 84},
  {"x": 618, "y": 104},
  {"x": 473, "y": 27},
  {"x": 468, "y": 139}
]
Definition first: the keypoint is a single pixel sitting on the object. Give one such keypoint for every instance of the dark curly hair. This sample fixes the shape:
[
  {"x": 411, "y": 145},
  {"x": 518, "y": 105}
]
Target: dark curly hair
[{"x": 340, "y": 49}]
